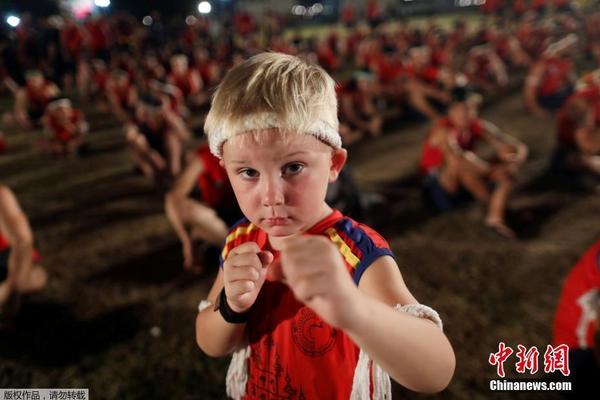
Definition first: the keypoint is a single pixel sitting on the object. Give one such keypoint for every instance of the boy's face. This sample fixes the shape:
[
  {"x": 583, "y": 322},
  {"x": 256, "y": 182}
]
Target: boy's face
[{"x": 280, "y": 181}]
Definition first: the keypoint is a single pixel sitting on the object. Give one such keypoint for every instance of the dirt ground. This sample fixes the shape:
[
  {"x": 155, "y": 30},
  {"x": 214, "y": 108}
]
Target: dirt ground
[{"x": 118, "y": 314}]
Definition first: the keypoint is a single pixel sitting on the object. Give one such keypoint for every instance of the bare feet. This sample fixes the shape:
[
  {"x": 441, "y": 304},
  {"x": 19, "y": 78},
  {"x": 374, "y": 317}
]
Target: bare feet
[{"x": 501, "y": 229}]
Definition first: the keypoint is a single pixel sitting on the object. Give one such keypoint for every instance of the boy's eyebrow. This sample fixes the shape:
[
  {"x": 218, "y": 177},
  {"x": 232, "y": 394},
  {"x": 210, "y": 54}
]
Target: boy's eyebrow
[{"x": 295, "y": 153}]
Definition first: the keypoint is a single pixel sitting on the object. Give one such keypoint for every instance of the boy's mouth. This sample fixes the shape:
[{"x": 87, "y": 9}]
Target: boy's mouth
[{"x": 276, "y": 221}]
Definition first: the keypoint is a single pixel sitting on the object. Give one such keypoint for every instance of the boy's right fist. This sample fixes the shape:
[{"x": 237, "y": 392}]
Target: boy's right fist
[{"x": 244, "y": 272}]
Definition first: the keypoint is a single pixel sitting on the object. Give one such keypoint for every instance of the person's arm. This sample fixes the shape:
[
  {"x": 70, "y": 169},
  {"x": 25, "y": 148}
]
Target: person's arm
[
  {"x": 242, "y": 275},
  {"x": 467, "y": 158},
  {"x": 21, "y": 109},
  {"x": 215, "y": 336},
  {"x": 351, "y": 116},
  {"x": 532, "y": 83},
  {"x": 114, "y": 100},
  {"x": 388, "y": 336},
  {"x": 509, "y": 148},
  {"x": 414, "y": 351},
  {"x": 15, "y": 226},
  {"x": 176, "y": 122}
]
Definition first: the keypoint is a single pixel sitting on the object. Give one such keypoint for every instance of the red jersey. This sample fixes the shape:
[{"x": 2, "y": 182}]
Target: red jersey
[
  {"x": 565, "y": 124},
  {"x": 556, "y": 76},
  {"x": 294, "y": 353},
  {"x": 432, "y": 157},
  {"x": 575, "y": 319},
  {"x": 213, "y": 181},
  {"x": 38, "y": 98},
  {"x": 59, "y": 128},
  {"x": 185, "y": 82}
]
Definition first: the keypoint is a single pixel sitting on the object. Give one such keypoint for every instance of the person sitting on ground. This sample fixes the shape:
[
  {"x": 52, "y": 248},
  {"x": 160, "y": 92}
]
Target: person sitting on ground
[
  {"x": 551, "y": 80},
  {"x": 32, "y": 99},
  {"x": 578, "y": 130},
  {"x": 122, "y": 94},
  {"x": 66, "y": 128},
  {"x": 20, "y": 269},
  {"x": 201, "y": 206},
  {"x": 188, "y": 80},
  {"x": 156, "y": 138},
  {"x": 449, "y": 163}
]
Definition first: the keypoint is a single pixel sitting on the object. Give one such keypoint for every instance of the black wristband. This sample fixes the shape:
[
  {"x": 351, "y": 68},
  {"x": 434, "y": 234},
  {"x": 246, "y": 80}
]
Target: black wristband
[{"x": 227, "y": 313}]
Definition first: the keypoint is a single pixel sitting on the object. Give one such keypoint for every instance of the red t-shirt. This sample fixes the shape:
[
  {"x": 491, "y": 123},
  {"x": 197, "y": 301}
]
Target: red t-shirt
[
  {"x": 293, "y": 352},
  {"x": 575, "y": 319},
  {"x": 213, "y": 181},
  {"x": 185, "y": 82},
  {"x": 61, "y": 133},
  {"x": 565, "y": 125},
  {"x": 556, "y": 75},
  {"x": 432, "y": 157}
]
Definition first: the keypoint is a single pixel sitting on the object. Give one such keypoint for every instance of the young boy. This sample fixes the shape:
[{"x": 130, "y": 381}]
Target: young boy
[{"x": 305, "y": 296}]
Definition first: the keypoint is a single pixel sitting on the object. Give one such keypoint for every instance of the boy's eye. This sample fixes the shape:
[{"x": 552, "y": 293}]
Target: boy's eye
[
  {"x": 248, "y": 173},
  {"x": 293, "y": 168}
]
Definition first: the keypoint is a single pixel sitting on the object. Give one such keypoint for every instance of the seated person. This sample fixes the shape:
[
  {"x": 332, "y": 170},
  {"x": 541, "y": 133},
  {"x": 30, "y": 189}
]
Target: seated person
[
  {"x": 551, "y": 79},
  {"x": 32, "y": 99},
  {"x": 121, "y": 94},
  {"x": 450, "y": 164},
  {"x": 66, "y": 128},
  {"x": 578, "y": 130},
  {"x": 207, "y": 217},
  {"x": 156, "y": 138}
]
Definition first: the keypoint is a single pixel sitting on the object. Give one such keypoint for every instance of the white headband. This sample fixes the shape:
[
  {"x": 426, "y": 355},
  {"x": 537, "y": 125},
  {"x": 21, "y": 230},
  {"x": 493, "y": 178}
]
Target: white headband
[{"x": 320, "y": 129}]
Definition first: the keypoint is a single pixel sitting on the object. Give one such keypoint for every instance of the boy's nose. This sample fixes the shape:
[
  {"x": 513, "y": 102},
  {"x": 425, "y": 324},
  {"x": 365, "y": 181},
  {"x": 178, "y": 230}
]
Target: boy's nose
[{"x": 273, "y": 194}]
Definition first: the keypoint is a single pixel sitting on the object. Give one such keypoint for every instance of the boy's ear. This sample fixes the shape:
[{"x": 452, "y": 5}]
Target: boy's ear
[
  {"x": 222, "y": 163},
  {"x": 338, "y": 160}
]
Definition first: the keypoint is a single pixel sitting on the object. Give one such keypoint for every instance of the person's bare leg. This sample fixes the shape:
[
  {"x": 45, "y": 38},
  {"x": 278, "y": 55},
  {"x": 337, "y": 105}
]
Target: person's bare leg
[
  {"x": 204, "y": 222},
  {"x": 174, "y": 151}
]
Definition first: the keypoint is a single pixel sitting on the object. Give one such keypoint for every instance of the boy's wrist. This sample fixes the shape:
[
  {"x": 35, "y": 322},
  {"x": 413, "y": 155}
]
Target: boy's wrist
[{"x": 228, "y": 314}]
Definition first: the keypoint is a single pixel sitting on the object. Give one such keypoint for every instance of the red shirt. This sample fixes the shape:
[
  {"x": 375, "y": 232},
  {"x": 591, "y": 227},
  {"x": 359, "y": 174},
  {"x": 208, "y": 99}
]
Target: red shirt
[
  {"x": 565, "y": 124},
  {"x": 556, "y": 75},
  {"x": 38, "y": 98},
  {"x": 575, "y": 319},
  {"x": 294, "y": 353},
  {"x": 213, "y": 181},
  {"x": 432, "y": 157},
  {"x": 60, "y": 130},
  {"x": 185, "y": 82}
]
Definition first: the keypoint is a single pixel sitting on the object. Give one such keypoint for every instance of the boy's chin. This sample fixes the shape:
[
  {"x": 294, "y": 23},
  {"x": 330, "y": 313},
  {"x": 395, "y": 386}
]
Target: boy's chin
[{"x": 280, "y": 231}]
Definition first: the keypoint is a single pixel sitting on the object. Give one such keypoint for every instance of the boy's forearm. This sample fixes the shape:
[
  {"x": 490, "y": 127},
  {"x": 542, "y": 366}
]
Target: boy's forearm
[
  {"x": 215, "y": 336},
  {"x": 414, "y": 351}
]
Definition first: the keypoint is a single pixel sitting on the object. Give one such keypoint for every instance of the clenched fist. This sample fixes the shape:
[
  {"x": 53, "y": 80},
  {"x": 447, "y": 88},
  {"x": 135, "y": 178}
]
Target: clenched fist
[
  {"x": 244, "y": 273},
  {"x": 314, "y": 269}
]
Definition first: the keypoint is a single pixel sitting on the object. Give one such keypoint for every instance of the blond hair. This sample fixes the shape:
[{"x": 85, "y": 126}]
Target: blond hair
[{"x": 273, "y": 90}]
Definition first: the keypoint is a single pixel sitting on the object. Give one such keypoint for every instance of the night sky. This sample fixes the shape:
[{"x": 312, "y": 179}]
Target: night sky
[{"x": 136, "y": 7}]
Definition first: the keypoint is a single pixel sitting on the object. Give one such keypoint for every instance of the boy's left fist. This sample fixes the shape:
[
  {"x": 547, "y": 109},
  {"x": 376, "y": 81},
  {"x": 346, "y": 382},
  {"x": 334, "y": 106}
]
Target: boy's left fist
[{"x": 314, "y": 269}]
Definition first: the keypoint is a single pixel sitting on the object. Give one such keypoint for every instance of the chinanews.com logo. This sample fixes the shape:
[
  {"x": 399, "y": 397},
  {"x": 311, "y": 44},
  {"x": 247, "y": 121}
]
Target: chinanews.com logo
[{"x": 555, "y": 358}]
